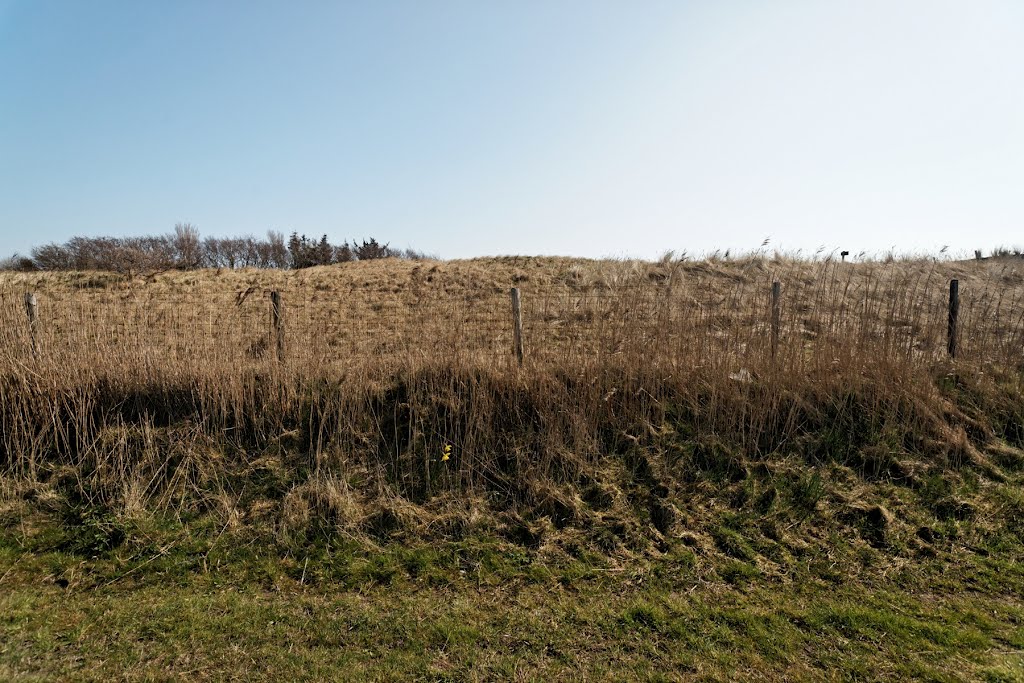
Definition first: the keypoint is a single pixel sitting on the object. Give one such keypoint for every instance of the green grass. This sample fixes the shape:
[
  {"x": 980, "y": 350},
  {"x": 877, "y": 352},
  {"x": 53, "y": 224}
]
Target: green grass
[
  {"x": 414, "y": 631},
  {"x": 184, "y": 600}
]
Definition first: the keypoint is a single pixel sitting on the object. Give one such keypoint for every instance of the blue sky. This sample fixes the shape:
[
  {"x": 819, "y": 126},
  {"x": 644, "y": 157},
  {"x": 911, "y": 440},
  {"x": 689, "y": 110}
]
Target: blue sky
[{"x": 469, "y": 128}]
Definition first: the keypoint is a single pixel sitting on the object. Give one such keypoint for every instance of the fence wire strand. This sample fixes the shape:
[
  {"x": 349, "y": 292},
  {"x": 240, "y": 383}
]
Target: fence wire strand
[{"x": 822, "y": 322}]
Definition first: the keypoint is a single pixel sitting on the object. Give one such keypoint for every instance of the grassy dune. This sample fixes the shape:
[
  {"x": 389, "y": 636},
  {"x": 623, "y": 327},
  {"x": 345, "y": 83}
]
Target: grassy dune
[{"x": 655, "y": 494}]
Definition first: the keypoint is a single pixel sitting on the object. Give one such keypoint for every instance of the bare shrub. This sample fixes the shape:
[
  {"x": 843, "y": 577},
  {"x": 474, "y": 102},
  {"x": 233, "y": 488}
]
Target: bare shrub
[{"x": 184, "y": 249}]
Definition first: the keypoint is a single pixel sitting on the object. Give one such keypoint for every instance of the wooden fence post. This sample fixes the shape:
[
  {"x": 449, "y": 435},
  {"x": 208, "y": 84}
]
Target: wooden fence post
[
  {"x": 277, "y": 323},
  {"x": 517, "y": 325},
  {"x": 954, "y": 314},
  {"x": 31, "y": 310},
  {"x": 776, "y": 315}
]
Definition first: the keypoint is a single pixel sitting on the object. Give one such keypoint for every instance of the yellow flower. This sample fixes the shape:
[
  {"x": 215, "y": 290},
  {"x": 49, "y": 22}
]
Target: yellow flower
[{"x": 447, "y": 452}]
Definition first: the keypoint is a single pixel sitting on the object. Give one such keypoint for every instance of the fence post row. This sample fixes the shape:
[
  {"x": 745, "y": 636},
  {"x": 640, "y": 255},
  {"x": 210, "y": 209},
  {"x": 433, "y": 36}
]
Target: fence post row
[
  {"x": 277, "y": 323},
  {"x": 31, "y": 310},
  {"x": 954, "y": 313},
  {"x": 776, "y": 315},
  {"x": 517, "y": 325}
]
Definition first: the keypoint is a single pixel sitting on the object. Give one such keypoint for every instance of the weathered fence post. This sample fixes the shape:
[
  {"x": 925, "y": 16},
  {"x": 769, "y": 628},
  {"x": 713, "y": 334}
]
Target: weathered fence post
[
  {"x": 31, "y": 310},
  {"x": 977, "y": 254},
  {"x": 954, "y": 314},
  {"x": 517, "y": 325},
  {"x": 277, "y": 323},
  {"x": 776, "y": 315}
]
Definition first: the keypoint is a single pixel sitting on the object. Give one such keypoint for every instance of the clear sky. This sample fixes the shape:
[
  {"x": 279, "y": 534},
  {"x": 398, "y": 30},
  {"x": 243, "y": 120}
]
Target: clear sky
[{"x": 584, "y": 127}]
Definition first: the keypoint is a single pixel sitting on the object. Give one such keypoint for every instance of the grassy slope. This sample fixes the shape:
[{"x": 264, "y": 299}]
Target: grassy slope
[
  {"x": 873, "y": 565},
  {"x": 184, "y": 604},
  {"x": 471, "y": 610}
]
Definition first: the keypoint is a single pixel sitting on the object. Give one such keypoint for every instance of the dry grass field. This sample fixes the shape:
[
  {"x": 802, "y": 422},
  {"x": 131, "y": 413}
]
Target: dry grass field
[
  {"x": 659, "y": 491},
  {"x": 378, "y": 313}
]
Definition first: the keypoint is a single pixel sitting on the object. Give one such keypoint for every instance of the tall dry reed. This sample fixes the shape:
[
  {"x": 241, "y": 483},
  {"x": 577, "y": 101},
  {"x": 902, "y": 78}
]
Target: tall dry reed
[{"x": 161, "y": 389}]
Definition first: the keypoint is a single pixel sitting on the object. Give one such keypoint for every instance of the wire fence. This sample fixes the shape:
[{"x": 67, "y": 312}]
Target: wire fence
[{"x": 804, "y": 325}]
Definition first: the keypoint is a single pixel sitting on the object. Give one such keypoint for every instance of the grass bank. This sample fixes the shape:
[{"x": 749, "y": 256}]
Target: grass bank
[
  {"x": 184, "y": 600},
  {"x": 667, "y": 501}
]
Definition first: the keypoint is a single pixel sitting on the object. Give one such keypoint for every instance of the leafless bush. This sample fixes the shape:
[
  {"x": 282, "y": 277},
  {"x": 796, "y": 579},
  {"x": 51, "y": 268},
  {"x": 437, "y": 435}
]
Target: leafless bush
[
  {"x": 415, "y": 255},
  {"x": 184, "y": 249},
  {"x": 17, "y": 262}
]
